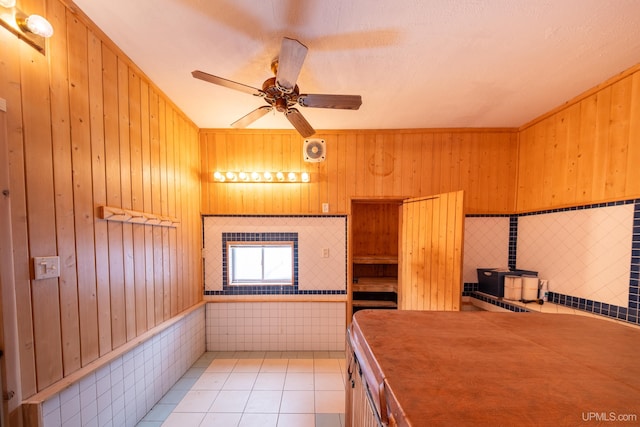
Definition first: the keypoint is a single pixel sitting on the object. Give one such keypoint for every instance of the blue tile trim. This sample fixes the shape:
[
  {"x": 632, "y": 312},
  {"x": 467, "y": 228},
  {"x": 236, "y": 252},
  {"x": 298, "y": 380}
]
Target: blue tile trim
[
  {"x": 498, "y": 302},
  {"x": 468, "y": 288},
  {"x": 634, "y": 270},
  {"x": 513, "y": 241},
  {"x": 288, "y": 291},
  {"x": 583, "y": 207},
  {"x": 259, "y": 289},
  {"x": 629, "y": 314}
]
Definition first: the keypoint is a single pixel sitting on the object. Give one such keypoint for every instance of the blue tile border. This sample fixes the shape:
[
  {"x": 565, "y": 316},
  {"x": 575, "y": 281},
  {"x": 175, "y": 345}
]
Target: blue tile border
[
  {"x": 259, "y": 289},
  {"x": 498, "y": 302},
  {"x": 630, "y": 314},
  {"x": 513, "y": 241}
]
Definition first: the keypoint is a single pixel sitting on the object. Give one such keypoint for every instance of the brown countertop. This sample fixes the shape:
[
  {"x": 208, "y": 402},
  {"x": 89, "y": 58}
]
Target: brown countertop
[{"x": 483, "y": 368}]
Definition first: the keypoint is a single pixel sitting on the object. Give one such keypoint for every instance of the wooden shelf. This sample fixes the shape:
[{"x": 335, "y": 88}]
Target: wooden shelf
[
  {"x": 374, "y": 304},
  {"x": 375, "y": 284},
  {"x": 375, "y": 259}
]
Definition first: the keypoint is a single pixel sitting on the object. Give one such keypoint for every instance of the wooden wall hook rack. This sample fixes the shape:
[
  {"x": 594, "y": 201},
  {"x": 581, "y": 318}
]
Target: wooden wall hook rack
[{"x": 110, "y": 213}]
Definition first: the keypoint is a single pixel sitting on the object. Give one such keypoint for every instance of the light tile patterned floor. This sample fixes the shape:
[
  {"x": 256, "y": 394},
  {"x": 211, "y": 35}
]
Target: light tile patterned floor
[{"x": 246, "y": 389}]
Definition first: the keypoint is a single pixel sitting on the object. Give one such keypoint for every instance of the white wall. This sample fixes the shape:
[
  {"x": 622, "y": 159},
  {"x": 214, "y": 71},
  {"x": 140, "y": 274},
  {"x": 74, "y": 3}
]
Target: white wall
[
  {"x": 123, "y": 391},
  {"x": 486, "y": 245},
  {"x": 315, "y": 233},
  {"x": 276, "y": 326},
  {"x": 584, "y": 253}
]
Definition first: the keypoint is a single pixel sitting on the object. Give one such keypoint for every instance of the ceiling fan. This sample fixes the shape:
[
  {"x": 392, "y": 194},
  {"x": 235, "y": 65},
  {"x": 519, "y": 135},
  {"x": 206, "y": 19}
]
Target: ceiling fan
[{"x": 282, "y": 93}]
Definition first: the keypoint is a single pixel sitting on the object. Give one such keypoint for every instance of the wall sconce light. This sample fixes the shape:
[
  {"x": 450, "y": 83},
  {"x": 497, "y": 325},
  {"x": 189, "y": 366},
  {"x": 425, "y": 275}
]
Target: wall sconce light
[
  {"x": 263, "y": 177},
  {"x": 33, "y": 29}
]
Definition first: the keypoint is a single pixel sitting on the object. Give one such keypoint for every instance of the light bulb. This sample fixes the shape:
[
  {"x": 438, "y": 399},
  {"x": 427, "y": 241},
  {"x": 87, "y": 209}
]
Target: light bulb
[
  {"x": 231, "y": 176},
  {"x": 268, "y": 176},
  {"x": 218, "y": 176},
  {"x": 39, "y": 26},
  {"x": 291, "y": 176},
  {"x": 305, "y": 177},
  {"x": 280, "y": 176},
  {"x": 255, "y": 176},
  {"x": 243, "y": 176}
]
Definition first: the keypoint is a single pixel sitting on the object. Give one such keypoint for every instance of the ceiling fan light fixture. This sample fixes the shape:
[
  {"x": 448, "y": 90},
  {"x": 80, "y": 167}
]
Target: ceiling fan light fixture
[{"x": 282, "y": 92}]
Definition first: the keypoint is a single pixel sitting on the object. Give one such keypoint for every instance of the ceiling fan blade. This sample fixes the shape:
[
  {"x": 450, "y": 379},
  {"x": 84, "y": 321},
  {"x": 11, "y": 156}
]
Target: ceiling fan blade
[
  {"x": 226, "y": 83},
  {"x": 299, "y": 122},
  {"x": 292, "y": 55},
  {"x": 251, "y": 117},
  {"x": 344, "y": 102}
]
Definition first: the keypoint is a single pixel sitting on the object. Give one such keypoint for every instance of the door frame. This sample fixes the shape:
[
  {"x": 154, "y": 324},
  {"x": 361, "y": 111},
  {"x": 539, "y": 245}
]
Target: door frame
[
  {"x": 361, "y": 199},
  {"x": 9, "y": 365}
]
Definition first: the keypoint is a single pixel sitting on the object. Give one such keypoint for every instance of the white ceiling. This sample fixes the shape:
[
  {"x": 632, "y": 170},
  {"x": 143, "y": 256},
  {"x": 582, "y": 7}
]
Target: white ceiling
[{"x": 416, "y": 63}]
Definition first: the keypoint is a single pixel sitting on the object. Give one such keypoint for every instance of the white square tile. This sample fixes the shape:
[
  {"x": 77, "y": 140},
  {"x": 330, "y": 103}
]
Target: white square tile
[
  {"x": 328, "y": 381},
  {"x": 197, "y": 401},
  {"x": 247, "y": 365},
  {"x": 298, "y": 381},
  {"x": 296, "y": 420},
  {"x": 221, "y": 365},
  {"x": 326, "y": 365},
  {"x": 264, "y": 401},
  {"x": 300, "y": 365},
  {"x": 258, "y": 420},
  {"x": 183, "y": 419},
  {"x": 274, "y": 365},
  {"x": 330, "y": 402},
  {"x": 270, "y": 381},
  {"x": 221, "y": 419},
  {"x": 210, "y": 381},
  {"x": 297, "y": 402},
  {"x": 240, "y": 381},
  {"x": 70, "y": 408},
  {"x": 230, "y": 401}
]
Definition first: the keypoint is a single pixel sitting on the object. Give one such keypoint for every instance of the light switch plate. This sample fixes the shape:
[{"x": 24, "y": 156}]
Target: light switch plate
[{"x": 46, "y": 267}]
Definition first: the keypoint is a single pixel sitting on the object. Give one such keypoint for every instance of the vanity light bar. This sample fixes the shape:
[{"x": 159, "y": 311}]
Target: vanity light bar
[
  {"x": 31, "y": 28},
  {"x": 264, "y": 177}
]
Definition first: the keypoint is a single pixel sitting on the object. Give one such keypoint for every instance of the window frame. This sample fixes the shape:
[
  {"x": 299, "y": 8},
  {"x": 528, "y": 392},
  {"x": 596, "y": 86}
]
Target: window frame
[{"x": 263, "y": 244}]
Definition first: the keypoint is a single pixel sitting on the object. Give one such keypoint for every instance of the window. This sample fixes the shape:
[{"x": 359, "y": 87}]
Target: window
[{"x": 260, "y": 263}]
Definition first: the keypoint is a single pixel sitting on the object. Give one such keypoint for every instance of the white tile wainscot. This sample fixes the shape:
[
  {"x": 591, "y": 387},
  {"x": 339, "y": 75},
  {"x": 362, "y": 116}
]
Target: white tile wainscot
[
  {"x": 119, "y": 389},
  {"x": 276, "y": 326}
]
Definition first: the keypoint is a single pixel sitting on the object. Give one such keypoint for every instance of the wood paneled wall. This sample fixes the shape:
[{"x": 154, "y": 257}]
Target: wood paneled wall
[
  {"x": 87, "y": 128},
  {"x": 586, "y": 152},
  {"x": 361, "y": 164}
]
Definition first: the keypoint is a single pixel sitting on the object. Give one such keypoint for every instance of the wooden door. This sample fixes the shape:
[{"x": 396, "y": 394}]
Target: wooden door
[{"x": 430, "y": 253}]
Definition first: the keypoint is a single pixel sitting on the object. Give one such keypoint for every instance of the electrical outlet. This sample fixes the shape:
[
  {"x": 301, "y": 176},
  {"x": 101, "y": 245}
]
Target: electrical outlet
[
  {"x": 46, "y": 267},
  {"x": 325, "y": 207},
  {"x": 325, "y": 253}
]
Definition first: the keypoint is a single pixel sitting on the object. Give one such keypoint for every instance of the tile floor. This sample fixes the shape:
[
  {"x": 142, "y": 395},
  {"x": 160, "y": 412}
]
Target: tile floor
[{"x": 246, "y": 389}]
